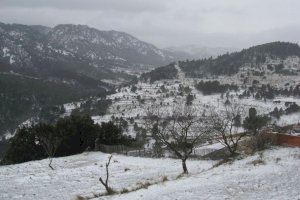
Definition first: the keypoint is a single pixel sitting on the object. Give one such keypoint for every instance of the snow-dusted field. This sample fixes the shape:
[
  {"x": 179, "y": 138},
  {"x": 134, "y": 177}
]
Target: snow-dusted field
[
  {"x": 278, "y": 178},
  {"x": 79, "y": 175}
]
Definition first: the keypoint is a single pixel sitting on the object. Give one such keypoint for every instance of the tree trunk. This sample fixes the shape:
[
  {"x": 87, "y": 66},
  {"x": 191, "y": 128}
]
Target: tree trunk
[
  {"x": 185, "y": 170},
  {"x": 50, "y": 161},
  {"x": 233, "y": 150}
]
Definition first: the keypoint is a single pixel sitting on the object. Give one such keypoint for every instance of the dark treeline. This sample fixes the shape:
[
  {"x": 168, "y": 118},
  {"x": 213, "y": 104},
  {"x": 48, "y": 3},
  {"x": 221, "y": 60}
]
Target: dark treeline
[
  {"x": 166, "y": 72},
  {"x": 76, "y": 134},
  {"x": 210, "y": 87},
  {"x": 269, "y": 92},
  {"x": 291, "y": 107}
]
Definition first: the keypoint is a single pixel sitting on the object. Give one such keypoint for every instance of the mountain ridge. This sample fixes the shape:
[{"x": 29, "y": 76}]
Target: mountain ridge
[{"x": 258, "y": 57}]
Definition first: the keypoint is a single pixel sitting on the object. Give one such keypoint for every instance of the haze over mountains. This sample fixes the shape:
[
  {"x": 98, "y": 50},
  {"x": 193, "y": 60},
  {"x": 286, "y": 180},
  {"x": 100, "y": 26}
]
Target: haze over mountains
[
  {"x": 214, "y": 44},
  {"x": 248, "y": 39},
  {"x": 199, "y": 52}
]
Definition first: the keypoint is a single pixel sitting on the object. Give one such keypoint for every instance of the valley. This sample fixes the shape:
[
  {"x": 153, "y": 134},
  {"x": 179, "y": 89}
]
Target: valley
[
  {"x": 254, "y": 87},
  {"x": 149, "y": 100}
]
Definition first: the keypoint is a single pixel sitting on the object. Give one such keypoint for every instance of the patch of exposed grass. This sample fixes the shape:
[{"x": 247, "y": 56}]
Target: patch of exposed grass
[{"x": 143, "y": 185}]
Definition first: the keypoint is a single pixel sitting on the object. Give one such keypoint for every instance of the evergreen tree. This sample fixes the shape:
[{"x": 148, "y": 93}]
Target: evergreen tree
[{"x": 254, "y": 123}]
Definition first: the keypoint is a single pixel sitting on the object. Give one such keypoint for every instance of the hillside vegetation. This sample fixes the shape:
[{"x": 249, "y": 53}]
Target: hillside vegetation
[{"x": 229, "y": 64}]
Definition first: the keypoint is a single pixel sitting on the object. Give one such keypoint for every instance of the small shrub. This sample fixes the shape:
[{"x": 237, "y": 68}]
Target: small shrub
[
  {"x": 259, "y": 161},
  {"x": 78, "y": 197},
  {"x": 180, "y": 176},
  {"x": 110, "y": 191},
  {"x": 95, "y": 195},
  {"x": 124, "y": 190},
  {"x": 226, "y": 160},
  {"x": 297, "y": 156},
  {"x": 261, "y": 141},
  {"x": 144, "y": 185},
  {"x": 164, "y": 179}
]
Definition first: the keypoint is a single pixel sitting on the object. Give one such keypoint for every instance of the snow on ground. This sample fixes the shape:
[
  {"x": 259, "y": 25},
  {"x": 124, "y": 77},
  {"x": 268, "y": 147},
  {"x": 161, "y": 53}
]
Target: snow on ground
[
  {"x": 207, "y": 148},
  {"x": 71, "y": 106},
  {"x": 79, "y": 175},
  {"x": 125, "y": 103},
  {"x": 278, "y": 178},
  {"x": 128, "y": 105},
  {"x": 289, "y": 119}
]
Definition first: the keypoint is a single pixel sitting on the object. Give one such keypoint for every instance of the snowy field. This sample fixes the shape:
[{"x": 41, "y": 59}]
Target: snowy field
[
  {"x": 79, "y": 175},
  {"x": 278, "y": 178}
]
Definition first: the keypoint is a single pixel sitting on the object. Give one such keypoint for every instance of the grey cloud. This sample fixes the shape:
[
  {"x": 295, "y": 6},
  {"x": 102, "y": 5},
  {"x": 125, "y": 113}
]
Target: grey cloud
[
  {"x": 231, "y": 23},
  {"x": 100, "y": 5}
]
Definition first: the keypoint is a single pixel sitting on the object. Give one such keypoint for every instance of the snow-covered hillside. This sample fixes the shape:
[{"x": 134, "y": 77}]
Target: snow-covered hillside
[
  {"x": 278, "y": 178},
  {"x": 79, "y": 175},
  {"x": 128, "y": 103}
]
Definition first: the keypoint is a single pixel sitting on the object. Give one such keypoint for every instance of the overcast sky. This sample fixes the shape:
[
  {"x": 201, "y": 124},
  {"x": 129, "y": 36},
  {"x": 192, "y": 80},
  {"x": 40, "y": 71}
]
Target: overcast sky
[{"x": 229, "y": 23}]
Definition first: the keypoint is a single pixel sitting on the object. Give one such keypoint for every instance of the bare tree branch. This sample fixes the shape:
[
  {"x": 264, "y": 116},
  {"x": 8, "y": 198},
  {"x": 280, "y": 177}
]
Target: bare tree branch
[
  {"x": 109, "y": 190},
  {"x": 224, "y": 126},
  {"x": 180, "y": 130}
]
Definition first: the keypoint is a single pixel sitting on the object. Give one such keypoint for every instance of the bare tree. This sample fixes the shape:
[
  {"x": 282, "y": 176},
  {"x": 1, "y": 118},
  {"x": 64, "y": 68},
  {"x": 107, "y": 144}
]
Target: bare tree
[
  {"x": 225, "y": 126},
  {"x": 50, "y": 140},
  {"x": 179, "y": 130},
  {"x": 109, "y": 190}
]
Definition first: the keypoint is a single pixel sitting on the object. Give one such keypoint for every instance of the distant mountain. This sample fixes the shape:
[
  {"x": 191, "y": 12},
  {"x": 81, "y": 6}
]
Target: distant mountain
[
  {"x": 105, "y": 47},
  {"x": 42, "y": 67},
  {"x": 77, "y": 48},
  {"x": 191, "y": 52},
  {"x": 275, "y": 57}
]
